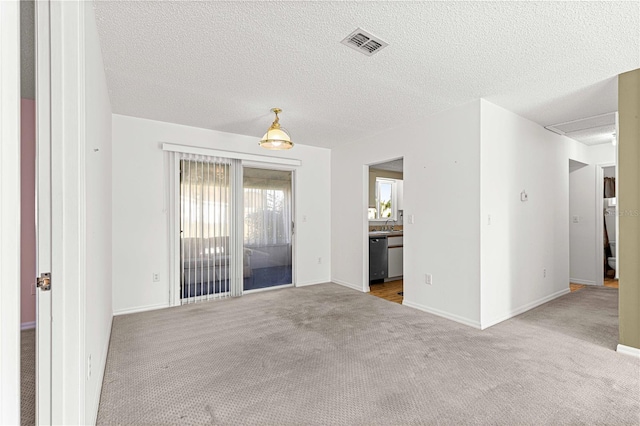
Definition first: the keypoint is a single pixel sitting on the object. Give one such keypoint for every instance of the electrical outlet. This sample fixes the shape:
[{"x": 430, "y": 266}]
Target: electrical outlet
[
  {"x": 428, "y": 279},
  {"x": 319, "y": 261},
  {"x": 156, "y": 277},
  {"x": 411, "y": 219},
  {"x": 576, "y": 219},
  {"x": 89, "y": 367},
  {"x": 544, "y": 273}
]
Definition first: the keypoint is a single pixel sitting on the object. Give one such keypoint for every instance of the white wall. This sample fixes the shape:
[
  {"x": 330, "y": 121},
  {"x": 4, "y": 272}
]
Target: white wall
[
  {"x": 140, "y": 234},
  {"x": 98, "y": 292},
  {"x": 584, "y": 192},
  {"x": 442, "y": 192},
  {"x": 523, "y": 239}
]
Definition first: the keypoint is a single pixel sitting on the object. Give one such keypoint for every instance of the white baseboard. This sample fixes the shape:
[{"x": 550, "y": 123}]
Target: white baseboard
[
  {"x": 141, "y": 309},
  {"x": 346, "y": 284},
  {"x": 514, "y": 312},
  {"x": 447, "y": 315},
  {"x": 28, "y": 325},
  {"x": 628, "y": 350},
  {"x": 312, "y": 283},
  {"x": 101, "y": 370},
  {"x": 579, "y": 281}
]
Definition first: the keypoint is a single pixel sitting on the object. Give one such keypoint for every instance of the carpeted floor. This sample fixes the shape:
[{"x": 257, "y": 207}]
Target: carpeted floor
[
  {"x": 326, "y": 354},
  {"x": 28, "y": 377}
]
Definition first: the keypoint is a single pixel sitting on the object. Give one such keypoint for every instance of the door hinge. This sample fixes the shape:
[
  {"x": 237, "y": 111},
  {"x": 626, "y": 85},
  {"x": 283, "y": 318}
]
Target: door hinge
[{"x": 44, "y": 281}]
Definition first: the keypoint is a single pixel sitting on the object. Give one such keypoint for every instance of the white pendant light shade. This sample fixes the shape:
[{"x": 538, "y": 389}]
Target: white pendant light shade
[{"x": 276, "y": 137}]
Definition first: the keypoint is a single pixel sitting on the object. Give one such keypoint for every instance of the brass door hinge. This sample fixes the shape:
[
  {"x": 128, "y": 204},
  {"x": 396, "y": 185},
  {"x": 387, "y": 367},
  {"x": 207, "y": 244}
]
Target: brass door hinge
[{"x": 44, "y": 281}]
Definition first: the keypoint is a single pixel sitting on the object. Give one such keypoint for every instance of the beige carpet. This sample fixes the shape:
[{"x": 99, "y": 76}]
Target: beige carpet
[
  {"x": 28, "y": 377},
  {"x": 326, "y": 355}
]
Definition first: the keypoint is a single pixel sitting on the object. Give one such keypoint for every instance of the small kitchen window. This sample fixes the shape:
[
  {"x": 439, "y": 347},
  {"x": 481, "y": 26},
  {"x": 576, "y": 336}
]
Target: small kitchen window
[{"x": 386, "y": 196}]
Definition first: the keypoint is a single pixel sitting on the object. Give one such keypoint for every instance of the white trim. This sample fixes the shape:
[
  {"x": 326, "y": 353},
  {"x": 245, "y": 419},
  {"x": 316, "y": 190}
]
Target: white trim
[
  {"x": 141, "y": 309},
  {"x": 184, "y": 149},
  {"x": 599, "y": 222},
  {"x": 617, "y": 253},
  {"x": 173, "y": 207},
  {"x": 308, "y": 283},
  {"x": 580, "y": 281},
  {"x": 437, "y": 312},
  {"x": 260, "y": 290},
  {"x": 100, "y": 378},
  {"x": 9, "y": 212},
  {"x": 628, "y": 350},
  {"x": 27, "y": 325},
  {"x": 514, "y": 312},
  {"x": 349, "y": 285},
  {"x": 364, "y": 211},
  {"x": 44, "y": 234}
]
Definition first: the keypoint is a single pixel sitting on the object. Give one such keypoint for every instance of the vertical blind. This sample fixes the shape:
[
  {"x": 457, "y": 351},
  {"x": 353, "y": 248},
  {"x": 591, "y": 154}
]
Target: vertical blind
[{"x": 206, "y": 252}]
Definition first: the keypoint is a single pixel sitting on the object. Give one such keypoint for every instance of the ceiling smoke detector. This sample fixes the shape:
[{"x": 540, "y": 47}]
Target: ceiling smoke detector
[{"x": 364, "y": 42}]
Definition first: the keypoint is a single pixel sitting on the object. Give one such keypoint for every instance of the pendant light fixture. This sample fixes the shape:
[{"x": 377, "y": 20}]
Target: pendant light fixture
[{"x": 276, "y": 137}]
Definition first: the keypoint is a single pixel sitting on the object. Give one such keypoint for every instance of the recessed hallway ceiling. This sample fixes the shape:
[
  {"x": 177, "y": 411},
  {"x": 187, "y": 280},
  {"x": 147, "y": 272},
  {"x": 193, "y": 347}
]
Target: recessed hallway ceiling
[{"x": 223, "y": 65}]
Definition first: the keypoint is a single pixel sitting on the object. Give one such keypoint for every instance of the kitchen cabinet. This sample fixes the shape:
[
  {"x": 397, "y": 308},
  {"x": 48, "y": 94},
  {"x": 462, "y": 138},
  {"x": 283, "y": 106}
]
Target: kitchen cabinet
[
  {"x": 395, "y": 256},
  {"x": 400, "y": 194}
]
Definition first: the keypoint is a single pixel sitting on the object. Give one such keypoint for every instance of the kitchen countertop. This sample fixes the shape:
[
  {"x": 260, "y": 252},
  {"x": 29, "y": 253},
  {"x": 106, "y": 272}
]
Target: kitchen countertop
[{"x": 385, "y": 233}]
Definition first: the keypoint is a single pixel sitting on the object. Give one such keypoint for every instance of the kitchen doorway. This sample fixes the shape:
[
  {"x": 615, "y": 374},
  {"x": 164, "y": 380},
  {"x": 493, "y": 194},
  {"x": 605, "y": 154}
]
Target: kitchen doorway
[{"x": 385, "y": 214}]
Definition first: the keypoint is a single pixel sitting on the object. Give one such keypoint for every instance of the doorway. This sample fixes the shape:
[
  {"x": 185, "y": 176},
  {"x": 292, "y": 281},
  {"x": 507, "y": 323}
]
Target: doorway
[
  {"x": 610, "y": 226},
  {"x": 385, "y": 214},
  {"x": 28, "y": 322}
]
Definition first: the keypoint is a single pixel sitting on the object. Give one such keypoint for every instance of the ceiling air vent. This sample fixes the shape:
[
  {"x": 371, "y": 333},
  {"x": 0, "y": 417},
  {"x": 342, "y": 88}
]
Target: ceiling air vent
[{"x": 364, "y": 42}]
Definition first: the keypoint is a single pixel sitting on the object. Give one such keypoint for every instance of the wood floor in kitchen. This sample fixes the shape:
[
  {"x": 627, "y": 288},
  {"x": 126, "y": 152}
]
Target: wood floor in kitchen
[
  {"x": 608, "y": 282},
  {"x": 388, "y": 291}
]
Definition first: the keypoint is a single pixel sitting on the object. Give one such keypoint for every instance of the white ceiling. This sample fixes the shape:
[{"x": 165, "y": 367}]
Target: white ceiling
[
  {"x": 589, "y": 130},
  {"x": 223, "y": 65},
  {"x": 392, "y": 166}
]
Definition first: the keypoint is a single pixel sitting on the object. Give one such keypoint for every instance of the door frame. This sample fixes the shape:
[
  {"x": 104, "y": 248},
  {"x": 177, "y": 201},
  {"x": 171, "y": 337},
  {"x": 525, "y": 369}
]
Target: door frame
[
  {"x": 10, "y": 212},
  {"x": 599, "y": 221},
  {"x": 43, "y": 211}
]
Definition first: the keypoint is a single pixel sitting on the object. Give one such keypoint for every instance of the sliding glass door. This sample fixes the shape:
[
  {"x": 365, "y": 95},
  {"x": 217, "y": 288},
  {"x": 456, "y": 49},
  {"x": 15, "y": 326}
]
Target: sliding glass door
[
  {"x": 235, "y": 226},
  {"x": 268, "y": 228}
]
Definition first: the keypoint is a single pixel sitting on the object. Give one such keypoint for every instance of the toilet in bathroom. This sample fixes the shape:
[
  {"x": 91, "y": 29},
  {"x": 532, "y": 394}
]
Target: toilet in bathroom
[{"x": 612, "y": 260}]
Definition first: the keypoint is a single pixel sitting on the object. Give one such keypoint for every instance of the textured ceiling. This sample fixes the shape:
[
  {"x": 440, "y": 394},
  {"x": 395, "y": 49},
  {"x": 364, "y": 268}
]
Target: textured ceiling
[
  {"x": 589, "y": 130},
  {"x": 392, "y": 166},
  {"x": 223, "y": 65}
]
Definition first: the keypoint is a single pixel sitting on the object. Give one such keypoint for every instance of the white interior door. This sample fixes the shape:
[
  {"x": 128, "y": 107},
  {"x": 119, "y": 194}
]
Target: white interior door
[
  {"x": 43, "y": 213},
  {"x": 9, "y": 212}
]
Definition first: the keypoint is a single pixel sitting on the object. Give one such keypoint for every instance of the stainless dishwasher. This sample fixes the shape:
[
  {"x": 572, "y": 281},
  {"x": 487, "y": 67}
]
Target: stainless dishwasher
[{"x": 378, "y": 258}]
